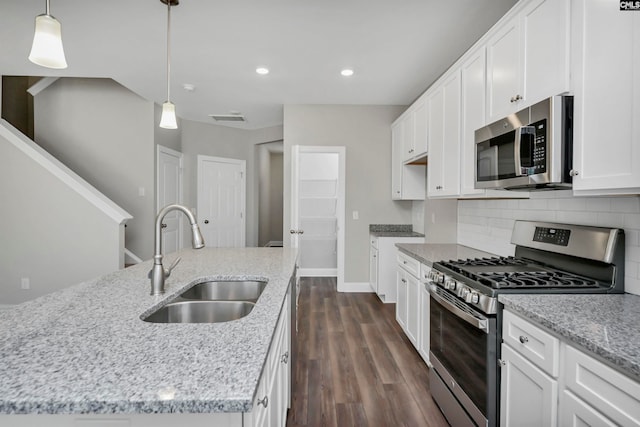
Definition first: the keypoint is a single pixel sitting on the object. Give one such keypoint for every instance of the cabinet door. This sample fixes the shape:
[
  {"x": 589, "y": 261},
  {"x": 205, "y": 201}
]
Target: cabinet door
[
  {"x": 423, "y": 335},
  {"x": 396, "y": 161},
  {"x": 545, "y": 32},
  {"x": 401, "y": 303},
  {"x": 528, "y": 397},
  {"x": 435, "y": 105},
  {"x": 373, "y": 269},
  {"x": 503, "y": 71},
  {"x": 408, "y": 137},
  {"x": 472, "y": 79},
  {"x": 413, "y": 308},
  {"x": 420, "y": 127},
  {"x": 605, "y": 64},
  {"x": 451, "y": 128}
]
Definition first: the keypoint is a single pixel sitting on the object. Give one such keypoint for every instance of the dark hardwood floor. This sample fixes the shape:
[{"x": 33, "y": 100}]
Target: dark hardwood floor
[{"x": 355, "y": 367}]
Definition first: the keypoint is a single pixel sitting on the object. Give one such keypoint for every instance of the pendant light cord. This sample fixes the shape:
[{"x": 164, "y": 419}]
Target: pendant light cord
[
  {"x": 47, "y": 8},
  {"x": 168, "y": 48}
]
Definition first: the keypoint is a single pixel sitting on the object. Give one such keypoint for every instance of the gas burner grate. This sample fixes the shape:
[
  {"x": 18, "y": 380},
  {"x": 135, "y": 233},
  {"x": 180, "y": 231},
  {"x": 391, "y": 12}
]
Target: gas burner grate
[{"x": 535, "y": 279}]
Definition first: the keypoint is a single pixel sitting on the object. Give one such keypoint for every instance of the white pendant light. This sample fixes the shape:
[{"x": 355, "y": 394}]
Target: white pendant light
[
  {"x": 46, "y": 49},
  {"x": 168, "y": 119}
]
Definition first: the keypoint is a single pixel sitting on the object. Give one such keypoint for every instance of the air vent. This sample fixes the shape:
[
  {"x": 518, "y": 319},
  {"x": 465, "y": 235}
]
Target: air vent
[{"x": 227, "y": 117}]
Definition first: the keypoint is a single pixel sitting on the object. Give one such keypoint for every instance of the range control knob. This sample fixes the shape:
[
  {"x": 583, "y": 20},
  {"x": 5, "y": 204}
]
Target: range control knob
[
  {"x": 464, "y": 294},
  {"x": 450, "y": 284},
  {"x": 472, "y": 297}
]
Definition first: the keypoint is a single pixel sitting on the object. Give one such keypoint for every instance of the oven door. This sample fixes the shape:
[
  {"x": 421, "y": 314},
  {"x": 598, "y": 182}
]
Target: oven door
[{"x": 463, "y": 347}]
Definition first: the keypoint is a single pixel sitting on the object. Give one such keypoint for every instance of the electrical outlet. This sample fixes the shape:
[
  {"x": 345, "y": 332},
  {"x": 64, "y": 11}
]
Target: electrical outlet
[
  {"x": 141, "y": 191},
  {"x": 24, "y": 283}
]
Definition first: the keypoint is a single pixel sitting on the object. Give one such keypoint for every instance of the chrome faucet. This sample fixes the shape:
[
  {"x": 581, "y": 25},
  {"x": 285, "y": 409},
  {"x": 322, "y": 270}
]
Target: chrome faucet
[{"x": 158, "y": 273}]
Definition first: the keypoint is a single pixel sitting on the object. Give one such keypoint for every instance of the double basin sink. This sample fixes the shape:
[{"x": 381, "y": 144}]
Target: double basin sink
[{"x": 211, "y": 301}]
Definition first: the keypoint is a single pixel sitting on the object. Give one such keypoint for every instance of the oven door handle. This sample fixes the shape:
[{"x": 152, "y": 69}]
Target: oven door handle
[{"x": 481, "y": 324}]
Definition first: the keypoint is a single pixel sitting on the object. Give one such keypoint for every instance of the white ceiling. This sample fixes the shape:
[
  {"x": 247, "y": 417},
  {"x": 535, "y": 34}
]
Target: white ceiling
[{"x": 396, "y": 47}]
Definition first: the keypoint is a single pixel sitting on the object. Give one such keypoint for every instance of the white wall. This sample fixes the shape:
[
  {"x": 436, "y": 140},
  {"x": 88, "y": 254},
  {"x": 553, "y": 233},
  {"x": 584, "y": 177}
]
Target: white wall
[
  {"x": 270, "y": 189},
  {"x": 105, "y": 133},
  {"x": 487, "y": 224},
  {"x": 50, "y": 233},
  {"x": 365, "y": 131}
]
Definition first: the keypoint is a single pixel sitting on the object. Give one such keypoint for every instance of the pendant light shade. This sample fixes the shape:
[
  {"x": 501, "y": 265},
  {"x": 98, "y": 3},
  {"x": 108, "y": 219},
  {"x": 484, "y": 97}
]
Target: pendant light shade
[
  {"x": 47, "y": 49},
  {"x": 168, "y": 118}
]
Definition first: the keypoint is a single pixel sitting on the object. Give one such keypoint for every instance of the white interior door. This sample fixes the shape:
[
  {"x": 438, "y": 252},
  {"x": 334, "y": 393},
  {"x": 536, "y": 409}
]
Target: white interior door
[
  {"x": 221, "y": 201},
  {"x": 317, "y": 220},
  {"x": 169, "y": 191}
]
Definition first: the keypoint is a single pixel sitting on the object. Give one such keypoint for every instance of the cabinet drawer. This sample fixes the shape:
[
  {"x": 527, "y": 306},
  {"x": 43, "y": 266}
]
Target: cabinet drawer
[
  {"x": 539, "y": 347},
  {"x": 574, "y": 412},
  {"x": 613, "y": 394},
  {"x": 412, "y": 265}
]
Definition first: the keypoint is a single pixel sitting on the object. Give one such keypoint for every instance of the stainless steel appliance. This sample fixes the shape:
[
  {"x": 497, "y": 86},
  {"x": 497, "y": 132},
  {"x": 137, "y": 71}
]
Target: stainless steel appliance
[
  {"x": 531, "y": 149},
  {"x": 465, "y": 318}
]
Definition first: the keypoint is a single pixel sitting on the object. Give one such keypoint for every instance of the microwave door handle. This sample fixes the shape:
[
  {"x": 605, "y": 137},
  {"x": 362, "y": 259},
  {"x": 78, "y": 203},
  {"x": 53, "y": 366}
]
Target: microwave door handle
[
  {"x": 481, "y": 324},
  {"x": 516, "y": 151}
]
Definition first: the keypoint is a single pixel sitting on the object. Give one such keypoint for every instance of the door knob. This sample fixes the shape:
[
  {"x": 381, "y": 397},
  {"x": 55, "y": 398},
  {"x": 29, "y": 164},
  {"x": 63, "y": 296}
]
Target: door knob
[
  {"x": 292, "y": 231},
  {"x": 206, "y": 221},
  {"x": 164, "y": 225}
]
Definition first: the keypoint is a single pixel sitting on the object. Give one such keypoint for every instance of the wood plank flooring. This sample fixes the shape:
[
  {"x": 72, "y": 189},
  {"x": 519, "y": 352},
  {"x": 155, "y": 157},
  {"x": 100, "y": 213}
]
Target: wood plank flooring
[{"x": 355, "y": 366}]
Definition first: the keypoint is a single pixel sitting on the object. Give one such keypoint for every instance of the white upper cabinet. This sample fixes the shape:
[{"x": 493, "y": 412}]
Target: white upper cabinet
[
  {"x": 472, "y": 80},
  {"x": 605, "y": 63},
  {"x": 407, "y": 181},
  {"x": 528, "y": 58},
  {"x": 414, "y": 131},
  {"x": 443, "y": 103}
]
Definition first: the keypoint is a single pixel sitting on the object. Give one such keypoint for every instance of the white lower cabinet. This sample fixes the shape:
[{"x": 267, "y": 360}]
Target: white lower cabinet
[
  {"x": 578, "y": 390},
  {"x": 412, "y": 307},
  {"x": 424, "y": 312},
  {"x": 528, "y": 396},
  {"x": 272, "y": 398},
  {"x": 382, "y": 264}
]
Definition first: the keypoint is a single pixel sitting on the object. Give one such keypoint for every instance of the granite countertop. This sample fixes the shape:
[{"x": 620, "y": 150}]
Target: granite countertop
[
  {"x": 605, "y": 325},
  {"x": 428, "y": 253},
  {"x": 393, "y": 230},
  {"x": 85, "y": 349}
]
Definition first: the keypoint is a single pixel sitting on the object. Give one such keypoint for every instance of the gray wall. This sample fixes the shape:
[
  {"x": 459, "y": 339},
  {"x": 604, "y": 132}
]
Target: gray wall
[
  {"x": 365, "y": 131},
  {"x": 49, "y": 232},
  {"x": 105, "y": 133},
  {"x": 270, "y": 191}
]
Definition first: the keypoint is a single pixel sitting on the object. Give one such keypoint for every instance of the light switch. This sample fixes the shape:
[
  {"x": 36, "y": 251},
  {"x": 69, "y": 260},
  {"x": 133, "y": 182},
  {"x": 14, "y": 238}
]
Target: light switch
[{"x": 356, "y": 215}]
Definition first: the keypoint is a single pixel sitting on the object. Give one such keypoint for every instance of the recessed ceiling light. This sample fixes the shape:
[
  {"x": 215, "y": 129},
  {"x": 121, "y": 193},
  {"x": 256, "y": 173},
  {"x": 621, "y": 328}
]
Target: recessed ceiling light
[
  {"x": 262, "y": 70},
  {"x": 347, "y": 72}
]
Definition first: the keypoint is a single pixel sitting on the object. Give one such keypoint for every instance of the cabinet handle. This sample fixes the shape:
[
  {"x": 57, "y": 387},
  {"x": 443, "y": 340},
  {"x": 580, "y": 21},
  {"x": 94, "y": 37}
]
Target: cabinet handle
[
  {"x": 573, "y": 172},
  {"x": 264, "y": 401},
  {"x": 375, "y": 256},
  {"x": 501, "y": 363},
  {"x": 403, "y": 280},
  {"x": 285, "y": 358},
  {"x": 515, "y": 98},
  {"x": 524, "y": 339}
]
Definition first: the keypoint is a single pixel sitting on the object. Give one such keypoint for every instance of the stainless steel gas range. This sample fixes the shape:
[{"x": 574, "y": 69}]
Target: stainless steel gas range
[{"x": 466, "y": 317}]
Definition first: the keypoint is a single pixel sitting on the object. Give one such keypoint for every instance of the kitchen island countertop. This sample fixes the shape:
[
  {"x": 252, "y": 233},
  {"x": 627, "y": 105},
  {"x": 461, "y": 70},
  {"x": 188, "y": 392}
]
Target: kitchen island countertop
[{"x": 86, "y": 350}]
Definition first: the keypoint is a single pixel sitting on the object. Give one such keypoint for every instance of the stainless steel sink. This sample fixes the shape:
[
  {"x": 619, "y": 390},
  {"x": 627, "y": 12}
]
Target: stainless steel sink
[
  {"x": 201, "y": 312},
  {"x": 226, "y": 290}
]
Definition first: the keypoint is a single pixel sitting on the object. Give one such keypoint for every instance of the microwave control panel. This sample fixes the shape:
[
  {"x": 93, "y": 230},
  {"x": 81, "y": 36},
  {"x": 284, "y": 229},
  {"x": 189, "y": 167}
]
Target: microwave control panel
[{"x": 533, "y": 148}]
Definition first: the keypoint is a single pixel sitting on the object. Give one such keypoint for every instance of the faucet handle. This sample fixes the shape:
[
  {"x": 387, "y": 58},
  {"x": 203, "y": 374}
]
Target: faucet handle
[{"x": 167, "y": 271}]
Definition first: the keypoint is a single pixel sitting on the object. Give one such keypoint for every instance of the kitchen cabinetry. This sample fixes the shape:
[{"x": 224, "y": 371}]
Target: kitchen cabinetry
[
  {"x": 425, "y": 301},
  {"x": 382, "y": 264},
  {"x": 529, "y": 385},
  {"x": 546, "y": 381},
  {"x": 408, "y": 305},
  {"x": 443, "y": 103},
  {"x": 407, "y": 181},
  {"x": 528, "y": 58},
  {"x": 272, "y": 398},
  {"x": 605, "y": 63}
]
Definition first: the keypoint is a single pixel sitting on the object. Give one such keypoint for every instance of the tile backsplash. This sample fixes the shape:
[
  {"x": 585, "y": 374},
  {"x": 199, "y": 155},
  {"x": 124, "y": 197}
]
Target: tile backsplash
[{"x": 487, "y": 224}]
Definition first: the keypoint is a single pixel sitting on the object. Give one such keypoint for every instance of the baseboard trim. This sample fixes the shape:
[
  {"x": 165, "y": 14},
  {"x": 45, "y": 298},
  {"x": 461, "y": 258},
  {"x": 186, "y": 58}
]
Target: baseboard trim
[{"x": 355, "y": 287}]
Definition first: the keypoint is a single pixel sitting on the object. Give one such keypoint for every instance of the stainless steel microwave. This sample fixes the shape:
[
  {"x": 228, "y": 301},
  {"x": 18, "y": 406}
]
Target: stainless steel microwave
[{"x": 528, "y": 150}]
